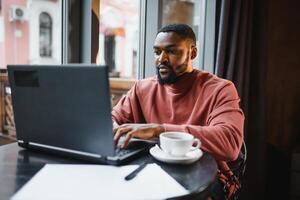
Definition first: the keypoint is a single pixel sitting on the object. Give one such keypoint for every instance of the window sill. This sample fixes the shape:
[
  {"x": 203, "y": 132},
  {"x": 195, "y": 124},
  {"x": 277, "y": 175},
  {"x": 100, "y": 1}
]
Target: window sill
[{"x": 121, "y": 83}]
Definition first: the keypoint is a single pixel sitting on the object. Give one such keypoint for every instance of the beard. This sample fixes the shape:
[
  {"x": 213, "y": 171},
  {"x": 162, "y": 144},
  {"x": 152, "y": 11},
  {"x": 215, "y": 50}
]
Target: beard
[{"x": 171, "y": 78}]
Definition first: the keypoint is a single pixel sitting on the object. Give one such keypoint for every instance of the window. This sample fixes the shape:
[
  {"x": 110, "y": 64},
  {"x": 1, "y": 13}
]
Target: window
[
  {"x": 127, "y": 30},
  {"x": 30, "y": 32},
  {"x": 199, "y": 14},
  {"x": 45, "y": 35},
  {"x": 177, "y": 11},
  {"x": 118, "y": 37}
]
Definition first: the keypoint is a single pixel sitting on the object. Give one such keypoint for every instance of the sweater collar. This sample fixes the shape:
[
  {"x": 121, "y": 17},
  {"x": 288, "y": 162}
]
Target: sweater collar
[{"x": 183, "y": 84}]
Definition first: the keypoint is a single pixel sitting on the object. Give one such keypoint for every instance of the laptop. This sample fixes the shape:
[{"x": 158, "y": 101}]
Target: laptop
[{"x": 66, "y": 110}]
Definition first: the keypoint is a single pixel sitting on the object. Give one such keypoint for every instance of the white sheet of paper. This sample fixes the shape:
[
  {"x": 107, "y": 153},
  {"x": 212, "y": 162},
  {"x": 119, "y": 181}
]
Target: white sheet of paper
[{"x": 55, "y": 181}]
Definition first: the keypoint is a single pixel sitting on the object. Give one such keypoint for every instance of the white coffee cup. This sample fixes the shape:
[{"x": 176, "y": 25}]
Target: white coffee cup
[{"x": 178, "y": 143}]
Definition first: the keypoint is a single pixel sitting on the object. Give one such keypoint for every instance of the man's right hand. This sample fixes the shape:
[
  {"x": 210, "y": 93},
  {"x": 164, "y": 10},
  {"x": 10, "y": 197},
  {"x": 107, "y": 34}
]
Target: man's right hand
[{"x": 142, "y": 131}]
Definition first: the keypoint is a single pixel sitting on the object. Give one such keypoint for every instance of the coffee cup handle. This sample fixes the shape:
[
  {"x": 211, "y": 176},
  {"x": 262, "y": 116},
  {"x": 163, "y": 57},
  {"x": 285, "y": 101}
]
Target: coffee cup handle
[{"x": 197, "y": 141}]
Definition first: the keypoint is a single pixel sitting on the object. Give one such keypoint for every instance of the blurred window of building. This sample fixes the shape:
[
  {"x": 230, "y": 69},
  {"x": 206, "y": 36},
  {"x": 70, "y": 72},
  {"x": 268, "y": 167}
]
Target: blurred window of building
[
  {"x": 45, "y": 35},
  {"x": 119, "y": 37}
]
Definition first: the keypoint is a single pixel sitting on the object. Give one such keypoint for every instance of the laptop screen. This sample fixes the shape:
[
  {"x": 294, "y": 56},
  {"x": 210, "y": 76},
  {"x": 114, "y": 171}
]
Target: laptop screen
[{"x": 65, "y": 106}]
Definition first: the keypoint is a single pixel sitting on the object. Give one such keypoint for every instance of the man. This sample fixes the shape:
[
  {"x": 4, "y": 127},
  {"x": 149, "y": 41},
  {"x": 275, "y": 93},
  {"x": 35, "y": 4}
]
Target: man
[{"x": 181, "y": 98}]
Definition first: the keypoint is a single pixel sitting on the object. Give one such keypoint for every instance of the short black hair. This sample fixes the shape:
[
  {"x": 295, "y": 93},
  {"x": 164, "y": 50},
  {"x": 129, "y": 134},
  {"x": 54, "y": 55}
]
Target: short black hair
[{"x": 183, "y": 30}]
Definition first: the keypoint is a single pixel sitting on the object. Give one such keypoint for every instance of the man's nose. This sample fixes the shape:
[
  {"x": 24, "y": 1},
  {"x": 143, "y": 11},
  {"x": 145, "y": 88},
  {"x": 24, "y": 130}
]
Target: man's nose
[{"x": 163, "y": 57}]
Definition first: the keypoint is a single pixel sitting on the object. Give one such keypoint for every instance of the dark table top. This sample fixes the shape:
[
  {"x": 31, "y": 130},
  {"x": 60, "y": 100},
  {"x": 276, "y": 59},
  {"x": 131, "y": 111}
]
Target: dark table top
[{"x": 17, "y": 166}]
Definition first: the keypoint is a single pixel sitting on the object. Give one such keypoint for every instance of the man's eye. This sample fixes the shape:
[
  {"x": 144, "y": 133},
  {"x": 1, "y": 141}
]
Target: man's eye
[
  {"x": 173, "y": 51},
  {"x": 157, "y": 52}
]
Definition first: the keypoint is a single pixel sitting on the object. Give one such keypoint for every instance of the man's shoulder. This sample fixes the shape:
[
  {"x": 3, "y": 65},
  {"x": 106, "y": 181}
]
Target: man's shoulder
[
  {"x": 147, "y": 83},
  {"x": 211, "y": 81},
  {"x": 210, "y": 78}
]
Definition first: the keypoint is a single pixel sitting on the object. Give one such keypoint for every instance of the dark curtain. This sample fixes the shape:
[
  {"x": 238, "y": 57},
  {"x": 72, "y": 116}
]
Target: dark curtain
[{"x": 239, "y": 56}]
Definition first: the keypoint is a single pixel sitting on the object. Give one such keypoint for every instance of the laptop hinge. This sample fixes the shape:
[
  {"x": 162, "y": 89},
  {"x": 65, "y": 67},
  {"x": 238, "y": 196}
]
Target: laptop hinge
[
  {"x": 81, "y": 153},
  {"x": 22, "y": 143}
]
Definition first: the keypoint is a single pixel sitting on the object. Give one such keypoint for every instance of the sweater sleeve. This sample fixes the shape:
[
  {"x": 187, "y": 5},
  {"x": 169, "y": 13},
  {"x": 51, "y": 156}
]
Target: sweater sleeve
[
  {"x": 128, "y": 109},
  {"x": 223, "y": 134}
]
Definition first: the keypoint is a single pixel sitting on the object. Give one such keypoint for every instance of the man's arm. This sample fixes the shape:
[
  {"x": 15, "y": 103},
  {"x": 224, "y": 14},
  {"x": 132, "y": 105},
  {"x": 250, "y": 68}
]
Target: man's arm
[
  {"x": 127, "y": 118},
  {"x": 222, "y": 138},
  {"x": 128, "y": 109},
  {"x": 222, "y": 135}
]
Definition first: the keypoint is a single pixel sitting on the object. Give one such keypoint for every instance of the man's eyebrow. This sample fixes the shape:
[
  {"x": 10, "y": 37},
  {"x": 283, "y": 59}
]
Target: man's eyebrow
[{"x": 165, "y": 47}]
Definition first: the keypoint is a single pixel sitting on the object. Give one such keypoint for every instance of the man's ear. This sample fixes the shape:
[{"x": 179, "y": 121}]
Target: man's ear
[{"x": 194, "y": 52}]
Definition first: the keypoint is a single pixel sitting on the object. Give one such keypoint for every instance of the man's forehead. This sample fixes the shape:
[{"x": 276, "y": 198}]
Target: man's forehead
[{"x": 168, "y": 39}]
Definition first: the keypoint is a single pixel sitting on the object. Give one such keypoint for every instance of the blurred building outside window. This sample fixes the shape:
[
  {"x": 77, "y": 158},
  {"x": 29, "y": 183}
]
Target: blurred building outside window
[
  {"x": 30, "y": 32},
  {"x": 119, "y": 37},
  {"x": 119, "y": 31}
]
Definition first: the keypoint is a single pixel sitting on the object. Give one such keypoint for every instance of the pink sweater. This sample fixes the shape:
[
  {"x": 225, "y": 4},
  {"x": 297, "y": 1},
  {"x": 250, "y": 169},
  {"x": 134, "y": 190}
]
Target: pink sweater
[{"x": 199, "y": 103}]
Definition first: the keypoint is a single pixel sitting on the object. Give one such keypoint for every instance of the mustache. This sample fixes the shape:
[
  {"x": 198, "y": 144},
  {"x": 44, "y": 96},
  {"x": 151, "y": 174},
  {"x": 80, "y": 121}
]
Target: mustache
[{"x": 164, "y": 65}]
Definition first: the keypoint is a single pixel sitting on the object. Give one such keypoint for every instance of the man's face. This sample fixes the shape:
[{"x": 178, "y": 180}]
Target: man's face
[{"x": 173, "y": 56}]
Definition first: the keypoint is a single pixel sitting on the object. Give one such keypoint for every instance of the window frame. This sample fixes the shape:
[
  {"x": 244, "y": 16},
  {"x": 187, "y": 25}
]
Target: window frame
[
  {"x": 76, "y": 49},
  {"x": 205, "y": 34},
  {"x": 149, "y": 23}
]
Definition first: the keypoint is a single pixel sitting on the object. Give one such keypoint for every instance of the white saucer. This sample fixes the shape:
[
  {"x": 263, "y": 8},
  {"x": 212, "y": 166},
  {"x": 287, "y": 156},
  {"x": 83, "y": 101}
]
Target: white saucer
[{"x": 190, "y": 157}]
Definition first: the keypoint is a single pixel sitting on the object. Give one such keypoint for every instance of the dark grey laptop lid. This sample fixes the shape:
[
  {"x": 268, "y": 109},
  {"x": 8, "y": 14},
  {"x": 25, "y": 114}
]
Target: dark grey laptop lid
[{"x": 65, "y": 106}]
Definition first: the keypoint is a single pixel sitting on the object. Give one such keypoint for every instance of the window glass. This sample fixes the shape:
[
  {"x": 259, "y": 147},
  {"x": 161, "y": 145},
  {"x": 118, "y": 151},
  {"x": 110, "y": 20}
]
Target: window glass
[
  {"x": 187, "y": 12},
  {"x": 162, "y": 12},
  {"x": 118, "y": 37},
  {"x": 177, "y": 11},
  {"x": 30, "y": 32}
]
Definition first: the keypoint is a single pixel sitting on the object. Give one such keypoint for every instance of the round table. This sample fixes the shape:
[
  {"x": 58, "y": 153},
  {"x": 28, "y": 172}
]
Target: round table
[{"x": 17, "y": 166}]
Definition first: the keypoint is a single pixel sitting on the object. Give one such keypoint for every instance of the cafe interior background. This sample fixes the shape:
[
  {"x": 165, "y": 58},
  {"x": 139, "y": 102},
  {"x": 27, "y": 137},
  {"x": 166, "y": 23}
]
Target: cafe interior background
[{"x": 254, "y": 43}]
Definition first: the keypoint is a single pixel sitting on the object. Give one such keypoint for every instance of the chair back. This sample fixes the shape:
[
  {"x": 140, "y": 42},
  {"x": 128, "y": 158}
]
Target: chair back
[{"x": 238, "y": 168}]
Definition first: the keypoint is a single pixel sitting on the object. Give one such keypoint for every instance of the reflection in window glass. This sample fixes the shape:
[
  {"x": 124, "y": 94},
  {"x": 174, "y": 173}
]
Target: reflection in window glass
[
  {"x": 177, "y": 11},
  {"x": 45, "y": 35},
  {"x": 118, "y": 37},
  {"x": 186, "y": 12},
  {"x": 30, "y": 32}
]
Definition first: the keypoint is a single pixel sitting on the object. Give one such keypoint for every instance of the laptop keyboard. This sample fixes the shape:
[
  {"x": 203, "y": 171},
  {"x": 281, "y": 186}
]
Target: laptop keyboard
[
  {"x": 132, "y": 148},
  {"x": 121, "y": 152}
]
